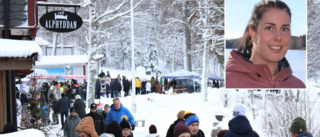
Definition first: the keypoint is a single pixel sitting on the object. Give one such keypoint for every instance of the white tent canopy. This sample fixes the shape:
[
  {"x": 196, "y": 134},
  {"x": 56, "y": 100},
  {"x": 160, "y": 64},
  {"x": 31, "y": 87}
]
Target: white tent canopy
[{"x": 182, "y": 74}]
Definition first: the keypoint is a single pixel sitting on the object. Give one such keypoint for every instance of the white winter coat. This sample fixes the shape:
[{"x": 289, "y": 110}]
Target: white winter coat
[{"x": 148, "y": 86}]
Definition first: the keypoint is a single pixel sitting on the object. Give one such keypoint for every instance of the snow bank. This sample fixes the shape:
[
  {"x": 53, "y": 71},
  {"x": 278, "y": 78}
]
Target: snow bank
[{"x": 25, "y": 133}]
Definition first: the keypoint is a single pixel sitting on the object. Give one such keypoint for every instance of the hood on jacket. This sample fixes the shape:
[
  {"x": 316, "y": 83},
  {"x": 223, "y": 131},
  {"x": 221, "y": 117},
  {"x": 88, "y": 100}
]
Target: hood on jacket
[
  {"x": 305, "y": 134},
  {"x": 113, "y": 108},
  {"x": 86, "y": 124},
  {"x": 240, "y": 125},
  {"x": 238, "y": 63},
  {"x": 242, "y": 73}
]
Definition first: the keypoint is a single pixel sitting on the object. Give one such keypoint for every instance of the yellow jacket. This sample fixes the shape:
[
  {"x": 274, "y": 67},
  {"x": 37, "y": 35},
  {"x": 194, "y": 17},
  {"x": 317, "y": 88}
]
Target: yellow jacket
[{"x": 138, "y": 83}]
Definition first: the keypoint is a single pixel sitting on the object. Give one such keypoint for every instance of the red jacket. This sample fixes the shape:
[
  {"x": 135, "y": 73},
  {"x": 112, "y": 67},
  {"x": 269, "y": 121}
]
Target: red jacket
[{"x": 241, "y": 73}]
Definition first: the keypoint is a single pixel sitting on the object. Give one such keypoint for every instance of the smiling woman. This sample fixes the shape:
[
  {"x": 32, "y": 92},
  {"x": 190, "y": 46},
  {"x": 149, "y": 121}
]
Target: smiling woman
[{"x": 260, "y": 59}]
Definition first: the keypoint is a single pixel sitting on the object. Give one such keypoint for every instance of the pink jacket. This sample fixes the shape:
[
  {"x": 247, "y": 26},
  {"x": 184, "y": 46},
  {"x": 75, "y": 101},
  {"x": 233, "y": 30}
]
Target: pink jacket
[{"x": 241, "y": 73}]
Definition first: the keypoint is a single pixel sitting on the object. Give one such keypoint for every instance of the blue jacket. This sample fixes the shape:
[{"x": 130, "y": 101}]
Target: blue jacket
[
  {"x": 240, "y": 127},
  {"x": 115, "y": 115},
  {"x": 305, "y": 134}
]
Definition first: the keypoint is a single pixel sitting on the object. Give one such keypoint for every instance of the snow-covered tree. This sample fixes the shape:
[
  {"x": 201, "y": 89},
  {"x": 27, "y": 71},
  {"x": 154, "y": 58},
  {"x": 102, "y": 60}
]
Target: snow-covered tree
[
  {"x": 313, "y": 39},
  {"x": 281, "y": 109},
  {"x": 209, "y": 26},
  {"x": 98, "y": 29}
]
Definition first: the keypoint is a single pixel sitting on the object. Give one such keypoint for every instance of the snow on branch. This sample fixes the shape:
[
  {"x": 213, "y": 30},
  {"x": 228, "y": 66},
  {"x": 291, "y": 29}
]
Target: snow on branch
[
  {"x": 112, "y": 11},
  {"x": 118, "y": 15},
  {"x": 175, "y": 20}
]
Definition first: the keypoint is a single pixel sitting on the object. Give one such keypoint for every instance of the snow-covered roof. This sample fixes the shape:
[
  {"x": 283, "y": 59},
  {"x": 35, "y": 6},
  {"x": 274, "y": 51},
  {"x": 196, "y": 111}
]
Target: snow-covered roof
[
  {"x": 41, "y": 41},
  {"x": 214, "y": 77},
  {"x": 62, "y": 61},
  {"x": 182, "y": 74},
  {"x": 19, "y": 48}
]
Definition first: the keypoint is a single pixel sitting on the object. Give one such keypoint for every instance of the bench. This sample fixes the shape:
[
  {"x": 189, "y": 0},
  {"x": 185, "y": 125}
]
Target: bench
[
  {"x": 140, "y": 120},
  {"x": 183, "y": 90},
  {"x": 138, "y": 117}
]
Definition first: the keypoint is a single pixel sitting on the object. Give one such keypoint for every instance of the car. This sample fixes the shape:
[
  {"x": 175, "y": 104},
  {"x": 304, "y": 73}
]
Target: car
[{"x": 188, "y": 84}]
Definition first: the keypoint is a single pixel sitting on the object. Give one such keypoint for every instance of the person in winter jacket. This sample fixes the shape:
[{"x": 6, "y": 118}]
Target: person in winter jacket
[
  {"x": 179, "y": 118},
  {"x": 298, "y": 128},
  {"x": 125, "y": 126},
  {"x": 152, "y": 82},
  {"x": 86, "y": 127},
  {"x": 80, "y": 106},
  {"x": 138, "y": 85},
  {"x": 153, "y": 131},
  {"x": 117, "y": 110},
  {"x": 106, "y": 111},
  {"x": 25, "y": 119},
  {"x": 63, "y": 105},
  {"x": 54, "y": 105},
  {"x": 71, "y": 123},
  {"x": 126, "y": 87},
  {"x": 102, "y": 74},
  {"x": 192, "y": 121},
  {"x": 148, "y": 87},
  {"x": 181, "y": 130},
  {"x": 260, "y": 59},
  {"x": 116, "y": 87},
  {"x": 98, "y": 89},
  {"x": 113, "y": 129},
  {"x": 240, "y": 126},
  {"x": 97, "y": 118}
]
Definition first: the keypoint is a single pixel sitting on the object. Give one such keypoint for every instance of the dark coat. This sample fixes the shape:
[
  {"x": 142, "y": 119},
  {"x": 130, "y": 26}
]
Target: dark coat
[
  {"x": 24, "y": 99},
  {"x": 70, "y": 126},
  {"x": 98, "y": 87},
  {"x": 116, "y": 86},
  {"x": 305, "y": 134},
  {"x": 171, "y": 128},
  {"x": 165, "y": 81},
  {"x": 126, "y": 85},
  {"x": 98, "y": 122},
  {"x": 199, "y": 134},
  {"x": 63, "y": 105},
  {"x": 80, "y": 107},
  {"x": 102, "y": 74},
  {"x": 240, "y": 127}
]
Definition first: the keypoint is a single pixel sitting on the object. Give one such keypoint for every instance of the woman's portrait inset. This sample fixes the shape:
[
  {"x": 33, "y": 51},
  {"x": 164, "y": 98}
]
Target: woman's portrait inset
[{"x": 259, "y": 58}]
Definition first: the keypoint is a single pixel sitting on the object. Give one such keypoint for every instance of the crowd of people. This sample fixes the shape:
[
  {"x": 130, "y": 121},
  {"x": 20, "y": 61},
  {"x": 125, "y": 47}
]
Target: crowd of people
[
  {"x": 117, "y": 121},
  {"x": 111, "y": 87},
  {"x": 67, "y": 99}
]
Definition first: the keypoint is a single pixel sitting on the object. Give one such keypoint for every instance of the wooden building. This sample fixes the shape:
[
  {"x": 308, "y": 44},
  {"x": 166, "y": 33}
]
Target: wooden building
[{"x": 17, "y": 58}]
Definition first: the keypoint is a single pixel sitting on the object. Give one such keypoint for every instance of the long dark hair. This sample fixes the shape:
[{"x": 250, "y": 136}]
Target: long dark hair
[{"x": 259, "y": 9}]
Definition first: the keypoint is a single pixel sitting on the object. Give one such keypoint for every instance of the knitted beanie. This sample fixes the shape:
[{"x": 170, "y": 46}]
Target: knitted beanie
[
  {"x": 125, "y": 124},
  {"x": 239, "y": 111},
  {"x": 152, "y": 129},
  {"x": 86, "y": 124},
  {"x": 298, "y": 126},
  {"x": 180, "y": 128},
  {"x": 190, "y": 118},
  {"x": 221, "y": 133},
  {"x": 114, "y": 128}
]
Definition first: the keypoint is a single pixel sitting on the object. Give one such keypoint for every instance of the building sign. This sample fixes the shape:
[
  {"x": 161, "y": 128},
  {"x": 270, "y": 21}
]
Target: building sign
[
  {"x": 61, "y": 21},
  {"x": 60, "y": 71}
]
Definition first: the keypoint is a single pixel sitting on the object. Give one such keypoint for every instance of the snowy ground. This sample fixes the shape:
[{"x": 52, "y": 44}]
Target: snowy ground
[
  {"x": 163, "y": 108},
  {"x": 297, "y": 61}
]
